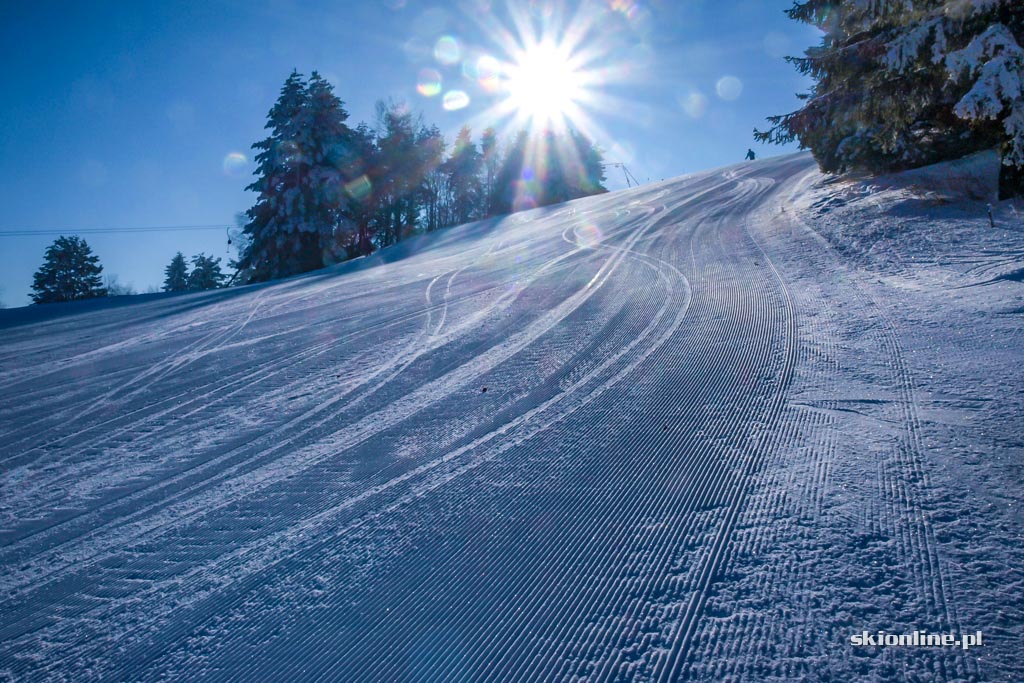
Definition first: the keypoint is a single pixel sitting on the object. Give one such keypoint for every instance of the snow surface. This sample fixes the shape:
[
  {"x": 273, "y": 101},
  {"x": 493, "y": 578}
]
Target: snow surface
[{"x": 705, "y": 429}]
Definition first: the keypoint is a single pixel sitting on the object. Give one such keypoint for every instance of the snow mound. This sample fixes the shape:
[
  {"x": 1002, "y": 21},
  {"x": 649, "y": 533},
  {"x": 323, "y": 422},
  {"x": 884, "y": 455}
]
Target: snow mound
[
  {"x": 973, "y": 177},
  {"x": 937, "y": 226}
]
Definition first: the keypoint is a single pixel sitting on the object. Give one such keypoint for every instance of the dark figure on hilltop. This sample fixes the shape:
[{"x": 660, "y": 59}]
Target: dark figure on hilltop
[{"x": 750, "y": 155}]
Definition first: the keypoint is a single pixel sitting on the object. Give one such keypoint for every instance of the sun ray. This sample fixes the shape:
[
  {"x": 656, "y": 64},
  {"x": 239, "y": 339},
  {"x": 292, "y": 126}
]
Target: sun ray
[
  {"x": 543, "y": 84},
  {"x": 548, "y": 71},
  {"x": 549, "y": 61}
]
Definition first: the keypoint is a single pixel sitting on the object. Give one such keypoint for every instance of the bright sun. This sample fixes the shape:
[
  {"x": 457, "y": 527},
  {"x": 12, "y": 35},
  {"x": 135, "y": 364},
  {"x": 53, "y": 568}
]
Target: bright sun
[{"x": 544, "y": 85}]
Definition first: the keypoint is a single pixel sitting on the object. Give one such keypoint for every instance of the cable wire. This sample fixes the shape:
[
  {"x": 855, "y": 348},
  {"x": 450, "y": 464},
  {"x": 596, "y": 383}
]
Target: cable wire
[{"x": 25, "y": 232}]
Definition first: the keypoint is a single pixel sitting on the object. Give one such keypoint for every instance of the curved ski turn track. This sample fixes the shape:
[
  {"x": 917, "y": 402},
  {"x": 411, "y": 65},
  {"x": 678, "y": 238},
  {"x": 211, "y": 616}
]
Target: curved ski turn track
[{"x": 598, "y": 441}]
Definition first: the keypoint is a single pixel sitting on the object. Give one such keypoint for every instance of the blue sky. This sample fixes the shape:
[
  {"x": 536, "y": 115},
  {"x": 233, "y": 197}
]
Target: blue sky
[{"x": 121, "y": 114}]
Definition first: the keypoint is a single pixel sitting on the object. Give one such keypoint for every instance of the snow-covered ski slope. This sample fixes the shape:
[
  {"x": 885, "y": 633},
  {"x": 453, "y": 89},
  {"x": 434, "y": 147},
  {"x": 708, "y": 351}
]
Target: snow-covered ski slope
[{"x": 682, "y": 432}]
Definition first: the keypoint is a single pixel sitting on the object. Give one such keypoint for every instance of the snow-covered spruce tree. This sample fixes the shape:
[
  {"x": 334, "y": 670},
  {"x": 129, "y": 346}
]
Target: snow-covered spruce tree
[
  {"x": 305, "y": 215},
  {"x": 206, "y": 273},
  {"x": 893, "y": 82},
  {"x": 70, "y": 272},
  {"x": 858, "y": 115},
  {"x": 176, "y": 274},
  {"x": 979, "y": 44},
  {"x": 331, "y": 149},
  {"x": 278, "y": 219}
]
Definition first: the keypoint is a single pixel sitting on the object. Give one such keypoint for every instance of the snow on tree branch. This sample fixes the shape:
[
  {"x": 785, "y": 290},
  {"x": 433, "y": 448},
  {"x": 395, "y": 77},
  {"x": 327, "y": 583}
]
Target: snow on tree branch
[
  {"x": 903, "y": 52},
  {"x": 995, "y": 61}
]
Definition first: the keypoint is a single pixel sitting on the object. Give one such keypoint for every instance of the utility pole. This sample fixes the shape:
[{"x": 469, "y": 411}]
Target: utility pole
[{"x": 630, "y": 178}]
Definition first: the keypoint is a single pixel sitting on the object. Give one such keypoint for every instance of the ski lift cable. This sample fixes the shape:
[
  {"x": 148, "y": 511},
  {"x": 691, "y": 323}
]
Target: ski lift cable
[{"x": 27, "y": 232}]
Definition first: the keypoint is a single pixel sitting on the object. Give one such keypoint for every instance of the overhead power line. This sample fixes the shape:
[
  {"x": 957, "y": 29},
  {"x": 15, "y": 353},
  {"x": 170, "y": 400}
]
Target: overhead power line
[{"x": 26, "y": 232}]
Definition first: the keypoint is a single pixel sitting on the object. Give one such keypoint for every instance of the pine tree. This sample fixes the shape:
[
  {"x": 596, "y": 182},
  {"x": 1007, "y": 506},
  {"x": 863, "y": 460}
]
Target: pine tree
[
  {"x": 427, "y": 154},
  {"x": 70, "y": 272},
  {"x": 278, "y": 223},
  {"x": 489, "y": 153},
  {"x": 463, "y": 170},
  {"x": 308, "y": 171},
  {"x": 330, "y": 148},
  {"x": 587, "y": 168},
  {"x": 436, "y": 191},
  {"x": 979, "y": 46},
  {"x": 546, "y": 168},
  {"x": 400, "y": 172},
  {"x": 512, "y": 184},
  {"x": 206, "y": 273},
  {"x": 361, "y": 189},
  {"x": 900, "y": 84},
  {"x": 176, "y": 274},
  {"x": 858, "y": 115}
]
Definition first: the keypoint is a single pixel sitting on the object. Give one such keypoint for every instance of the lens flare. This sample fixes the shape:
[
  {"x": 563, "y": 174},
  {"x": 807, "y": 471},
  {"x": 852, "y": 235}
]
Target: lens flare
[
  {"x": 455, "y": 100},
  {"x": 234, "y": 164},
  {"x": 587, "y": 234},
  {"x": 694, "y": 104},
  {"x": 627, "y": 8},
  {"x": 447, "y": 50},
  {"x": 488, "y": 73},
  {"x": 525, "y": 196},
  {"x": 359, "y": 188},
  {"x": 729, "y": 87},
  {"x": 429, "y": 83}
]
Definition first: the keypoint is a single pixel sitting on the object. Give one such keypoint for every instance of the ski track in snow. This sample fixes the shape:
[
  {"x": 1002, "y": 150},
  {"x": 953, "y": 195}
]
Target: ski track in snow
[{"x": 662, "y": 434}]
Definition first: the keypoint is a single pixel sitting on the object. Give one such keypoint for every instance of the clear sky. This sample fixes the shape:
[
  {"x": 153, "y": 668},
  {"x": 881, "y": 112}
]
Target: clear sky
[{"x": 133, "y": 114}]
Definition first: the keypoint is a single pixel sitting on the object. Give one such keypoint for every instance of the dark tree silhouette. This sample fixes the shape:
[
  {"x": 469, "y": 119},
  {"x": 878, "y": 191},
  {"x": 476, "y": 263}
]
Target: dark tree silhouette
[
  {"x": 176, "y": 274},
  {"x": 70, "y": 272}
]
